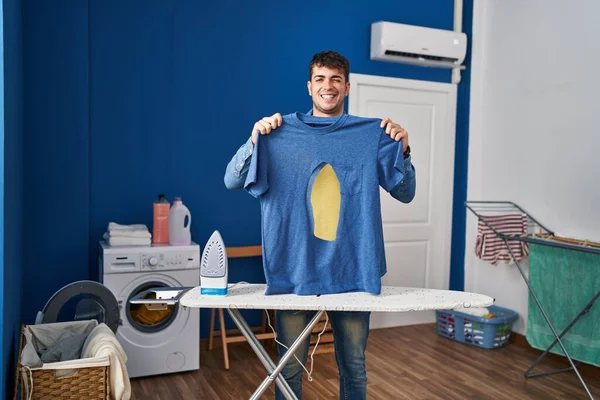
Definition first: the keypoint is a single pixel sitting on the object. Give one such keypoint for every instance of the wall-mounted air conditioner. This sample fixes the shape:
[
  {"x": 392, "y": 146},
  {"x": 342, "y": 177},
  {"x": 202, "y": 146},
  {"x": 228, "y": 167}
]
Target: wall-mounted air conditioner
[{"x": 417, "y": 45}]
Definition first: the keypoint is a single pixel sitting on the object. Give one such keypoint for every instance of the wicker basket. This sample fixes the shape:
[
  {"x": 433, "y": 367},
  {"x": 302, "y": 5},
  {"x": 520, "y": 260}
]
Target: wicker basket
[{"x": 44, "y": 384}]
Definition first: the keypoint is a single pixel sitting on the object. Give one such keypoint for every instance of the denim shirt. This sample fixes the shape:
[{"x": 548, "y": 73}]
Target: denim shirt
[{"x": 237, "y": 170}]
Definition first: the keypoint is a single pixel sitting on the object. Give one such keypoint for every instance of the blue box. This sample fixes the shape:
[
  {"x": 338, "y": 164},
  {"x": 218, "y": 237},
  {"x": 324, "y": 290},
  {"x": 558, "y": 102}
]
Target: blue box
[{"x": 487, "y": 333}]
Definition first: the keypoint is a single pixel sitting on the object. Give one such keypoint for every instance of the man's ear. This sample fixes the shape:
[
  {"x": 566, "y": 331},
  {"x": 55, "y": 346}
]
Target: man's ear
[
  {"x": 347, "y": 88},
  {"x": 308, "y": 85}
]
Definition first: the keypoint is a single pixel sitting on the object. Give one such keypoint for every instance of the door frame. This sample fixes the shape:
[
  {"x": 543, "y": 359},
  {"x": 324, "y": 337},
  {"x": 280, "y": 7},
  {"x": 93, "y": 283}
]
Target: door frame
[
  {"x": 451, "y": 93},
  {"x": 11, "y": 324},
  {"x": 422, "y": 86}
]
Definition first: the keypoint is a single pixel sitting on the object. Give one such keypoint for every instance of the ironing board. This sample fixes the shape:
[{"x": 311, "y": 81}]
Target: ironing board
[{"x": 251, "y": 296}]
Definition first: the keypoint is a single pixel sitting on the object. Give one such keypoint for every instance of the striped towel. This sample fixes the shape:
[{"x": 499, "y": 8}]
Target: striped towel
[{"x": 491, "y": 248}]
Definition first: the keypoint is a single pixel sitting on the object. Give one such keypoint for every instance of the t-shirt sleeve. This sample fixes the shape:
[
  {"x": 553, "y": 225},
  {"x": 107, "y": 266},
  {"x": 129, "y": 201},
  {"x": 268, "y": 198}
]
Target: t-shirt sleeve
[
  {"x": 390, "y": 162},
  {"x": 257, "y": 182}
]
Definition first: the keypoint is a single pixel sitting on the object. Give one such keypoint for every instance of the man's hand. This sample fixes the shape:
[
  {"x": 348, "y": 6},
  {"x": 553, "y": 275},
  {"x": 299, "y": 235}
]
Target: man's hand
[
  {"x": 265, "y": 125},
  {"x": 396, "y": 132}
]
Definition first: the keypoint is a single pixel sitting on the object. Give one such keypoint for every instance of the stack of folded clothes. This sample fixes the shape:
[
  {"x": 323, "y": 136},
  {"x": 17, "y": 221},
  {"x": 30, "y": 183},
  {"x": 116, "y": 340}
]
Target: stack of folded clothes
[{"x": 127, "y": 235}]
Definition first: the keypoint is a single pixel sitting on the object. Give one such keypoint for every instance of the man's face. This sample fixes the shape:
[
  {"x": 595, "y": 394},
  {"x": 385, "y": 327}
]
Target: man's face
[{"x": 328, "y": 87}]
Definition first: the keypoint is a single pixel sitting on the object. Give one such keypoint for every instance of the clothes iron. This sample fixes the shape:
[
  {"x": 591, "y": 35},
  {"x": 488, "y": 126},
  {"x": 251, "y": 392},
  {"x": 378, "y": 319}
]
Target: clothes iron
[{"x": 213, "y": 267}]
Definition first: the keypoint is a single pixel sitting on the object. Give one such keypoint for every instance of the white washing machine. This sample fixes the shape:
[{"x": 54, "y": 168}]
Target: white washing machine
[{"x": 155, "y": 341}]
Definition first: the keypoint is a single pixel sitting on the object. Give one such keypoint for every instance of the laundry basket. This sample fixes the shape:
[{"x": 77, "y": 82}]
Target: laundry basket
[
  {"x": 487, "y": 333},
  {"x": 73, "y": 380}
]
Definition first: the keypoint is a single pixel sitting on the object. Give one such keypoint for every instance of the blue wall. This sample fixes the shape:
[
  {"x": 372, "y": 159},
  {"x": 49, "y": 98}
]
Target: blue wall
[
  {"x": 56, "y": 125},
  {"x": 3, "y": 365},
  {"x": 13, "y": 190},
  {"x": 128, "y": 99},
  {"x": 461, "y": 162}
]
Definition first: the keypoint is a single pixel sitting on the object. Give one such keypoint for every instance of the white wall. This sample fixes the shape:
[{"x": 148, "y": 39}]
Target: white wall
[{"x": 535, "y": 125}]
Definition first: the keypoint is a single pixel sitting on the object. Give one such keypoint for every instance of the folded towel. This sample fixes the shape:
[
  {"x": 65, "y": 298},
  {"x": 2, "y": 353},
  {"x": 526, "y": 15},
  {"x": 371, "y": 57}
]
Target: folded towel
[
  {"x": 135, "y": 230},
  {"x": 112, "y": 226},
  {"x": 129, "y": 234},
  {"x": 102, "y": 342},
  {"x": 489, "y": 247},
  {"x": 126, "y": 241}
]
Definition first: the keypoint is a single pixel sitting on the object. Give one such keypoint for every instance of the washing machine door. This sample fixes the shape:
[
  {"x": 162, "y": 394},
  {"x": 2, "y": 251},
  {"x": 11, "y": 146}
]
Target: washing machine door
[
  {"x": 159, "y": 298},
  {"x": 82, "y": 300}
]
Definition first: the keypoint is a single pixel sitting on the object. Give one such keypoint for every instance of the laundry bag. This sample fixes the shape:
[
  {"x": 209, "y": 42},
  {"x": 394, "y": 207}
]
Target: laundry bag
[{"x": 50, "y": 367}]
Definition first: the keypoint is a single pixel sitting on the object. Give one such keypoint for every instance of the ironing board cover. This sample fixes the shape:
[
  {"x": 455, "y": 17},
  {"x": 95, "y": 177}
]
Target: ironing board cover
[{"x": 391, "y": 299}]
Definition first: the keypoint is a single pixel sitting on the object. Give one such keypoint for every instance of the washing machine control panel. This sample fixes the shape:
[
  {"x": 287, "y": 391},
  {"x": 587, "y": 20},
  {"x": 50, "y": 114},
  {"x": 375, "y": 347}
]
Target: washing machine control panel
[
  {"x": 170, "y": 260},
  {"x": 153, "y": 261},
  {"x": 150, "y": 258}
]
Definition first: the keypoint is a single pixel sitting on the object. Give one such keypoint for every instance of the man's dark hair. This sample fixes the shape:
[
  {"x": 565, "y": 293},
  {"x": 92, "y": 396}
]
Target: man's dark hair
[{"x": 329, "y": 59}]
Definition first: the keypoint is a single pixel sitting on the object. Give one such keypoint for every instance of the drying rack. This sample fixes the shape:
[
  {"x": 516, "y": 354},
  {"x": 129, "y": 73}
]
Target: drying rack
[{"x": 538, "y": 234}]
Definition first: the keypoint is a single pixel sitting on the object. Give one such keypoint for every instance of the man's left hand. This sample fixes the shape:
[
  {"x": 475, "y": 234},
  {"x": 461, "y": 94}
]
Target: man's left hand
[{"x": 396, "y": 132}]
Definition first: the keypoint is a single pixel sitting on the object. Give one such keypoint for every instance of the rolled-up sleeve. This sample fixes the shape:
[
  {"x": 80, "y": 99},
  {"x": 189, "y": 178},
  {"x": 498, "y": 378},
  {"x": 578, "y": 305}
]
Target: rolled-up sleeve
[{"x": 237, "y": 168}]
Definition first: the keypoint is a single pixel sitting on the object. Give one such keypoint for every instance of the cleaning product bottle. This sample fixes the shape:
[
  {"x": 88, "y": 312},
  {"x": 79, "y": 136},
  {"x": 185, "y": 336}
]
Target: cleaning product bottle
[
  {"x": 179, "y": 228},
  {"x": 160, "y": 221}
]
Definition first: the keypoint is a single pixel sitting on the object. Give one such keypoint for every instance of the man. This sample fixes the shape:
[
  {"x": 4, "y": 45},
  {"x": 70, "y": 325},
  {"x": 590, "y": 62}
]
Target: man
[{"x": 328, "y": 86}]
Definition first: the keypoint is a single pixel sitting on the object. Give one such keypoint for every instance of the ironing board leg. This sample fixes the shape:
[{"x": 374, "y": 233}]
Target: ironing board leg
[
  {"x": 260, "y": 352},
  {"x": 288, "y": 354}
]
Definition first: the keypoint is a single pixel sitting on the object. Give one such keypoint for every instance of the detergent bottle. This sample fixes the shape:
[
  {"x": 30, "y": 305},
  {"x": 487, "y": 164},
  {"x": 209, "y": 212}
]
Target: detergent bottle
[
  {"x": 180, "y": 221},
  {"x": 160, "y": 220}
]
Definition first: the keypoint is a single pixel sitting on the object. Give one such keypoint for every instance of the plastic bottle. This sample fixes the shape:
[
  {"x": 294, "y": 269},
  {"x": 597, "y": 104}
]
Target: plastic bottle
[
  {"x": 179, "y": 230},
  {"x": 160, "y": 220}
]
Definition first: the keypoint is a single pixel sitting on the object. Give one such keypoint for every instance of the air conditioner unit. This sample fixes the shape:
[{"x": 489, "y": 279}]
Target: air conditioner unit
[{"x": 417, "y": 45}]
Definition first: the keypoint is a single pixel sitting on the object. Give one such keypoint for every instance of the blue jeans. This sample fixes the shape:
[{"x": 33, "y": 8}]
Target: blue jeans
[{"x": 350, "y": 333}]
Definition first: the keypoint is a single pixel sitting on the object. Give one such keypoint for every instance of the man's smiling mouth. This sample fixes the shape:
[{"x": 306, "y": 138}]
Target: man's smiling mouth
[{"x": 328, "y": 96}]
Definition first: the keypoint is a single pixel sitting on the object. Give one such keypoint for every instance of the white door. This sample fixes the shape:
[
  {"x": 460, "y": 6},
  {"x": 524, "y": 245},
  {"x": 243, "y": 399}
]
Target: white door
[{"x": 417, "y": 235}]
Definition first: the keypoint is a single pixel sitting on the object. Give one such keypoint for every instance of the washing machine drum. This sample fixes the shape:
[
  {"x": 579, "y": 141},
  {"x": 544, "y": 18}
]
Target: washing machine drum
[{"x": 82, "y": 300}]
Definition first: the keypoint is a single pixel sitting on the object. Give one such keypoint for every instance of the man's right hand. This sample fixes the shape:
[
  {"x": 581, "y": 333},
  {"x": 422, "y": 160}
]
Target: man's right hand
[{"x": 266, "y": 125}]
